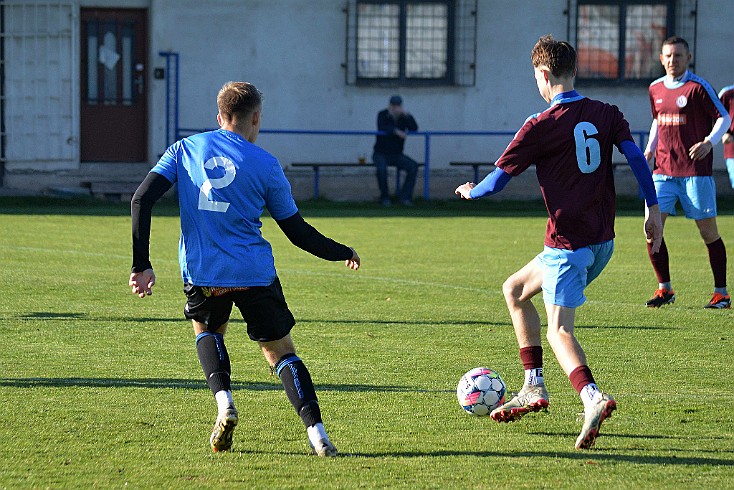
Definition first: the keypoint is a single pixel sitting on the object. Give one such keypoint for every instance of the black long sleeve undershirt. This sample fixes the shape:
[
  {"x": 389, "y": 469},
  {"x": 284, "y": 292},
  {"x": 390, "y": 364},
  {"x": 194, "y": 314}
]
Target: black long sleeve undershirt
[
  {"x": 308, "y": 238},
  {"x": 300, "y": 233},
  {"x": 141, "y": 207}
]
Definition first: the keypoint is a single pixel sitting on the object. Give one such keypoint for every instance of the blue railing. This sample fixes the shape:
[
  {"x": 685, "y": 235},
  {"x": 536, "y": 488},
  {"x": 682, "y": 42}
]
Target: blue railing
[
  {"x": 172, "y": 119},
  {"x": 427, "y": 135}
]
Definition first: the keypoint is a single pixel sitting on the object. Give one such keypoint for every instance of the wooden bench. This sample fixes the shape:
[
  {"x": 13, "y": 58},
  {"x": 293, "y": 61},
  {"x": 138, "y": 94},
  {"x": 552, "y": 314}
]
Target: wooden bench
[
  {"x": 475, "y": 165},
  {"x": 316, "y": 166},
  {"x": 121, "y": 190}
]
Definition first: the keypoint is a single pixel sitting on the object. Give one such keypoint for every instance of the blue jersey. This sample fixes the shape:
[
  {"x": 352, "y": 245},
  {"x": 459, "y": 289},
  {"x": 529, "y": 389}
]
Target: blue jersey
[{"x": 224, "y": 185}]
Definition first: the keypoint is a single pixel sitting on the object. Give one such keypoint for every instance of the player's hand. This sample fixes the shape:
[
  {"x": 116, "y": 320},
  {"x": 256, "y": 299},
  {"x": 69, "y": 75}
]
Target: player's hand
[
  {"x": 400, "y": 133},
  {"x": 354, "y": 262},
  {"x": 142, "y": 282},
  {"x": 464, "y": 189},
  {"x": 648, "y": 156},
  {"x": 653, "y": 227},
  {"x": 727, "y": 138},
  {"x": 700, "y": 150}
]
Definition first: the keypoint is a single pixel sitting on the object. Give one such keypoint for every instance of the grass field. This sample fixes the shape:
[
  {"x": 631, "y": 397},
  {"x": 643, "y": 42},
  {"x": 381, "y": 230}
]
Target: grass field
[{"x": 99, "y": 389}]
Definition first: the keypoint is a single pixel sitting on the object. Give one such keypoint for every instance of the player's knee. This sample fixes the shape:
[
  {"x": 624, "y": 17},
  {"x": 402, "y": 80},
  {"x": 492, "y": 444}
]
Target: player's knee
[{"x": 512, "y": 291}]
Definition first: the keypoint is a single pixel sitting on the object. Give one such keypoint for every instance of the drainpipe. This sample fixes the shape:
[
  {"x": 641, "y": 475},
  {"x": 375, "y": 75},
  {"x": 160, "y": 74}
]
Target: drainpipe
[{"x": 3, "y": 140}]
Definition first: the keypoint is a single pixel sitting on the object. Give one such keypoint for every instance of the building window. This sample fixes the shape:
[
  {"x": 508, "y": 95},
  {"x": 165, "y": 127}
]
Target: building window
[
  {"x": 619, "y": 41},
  {"x": 410, "y": 42}
]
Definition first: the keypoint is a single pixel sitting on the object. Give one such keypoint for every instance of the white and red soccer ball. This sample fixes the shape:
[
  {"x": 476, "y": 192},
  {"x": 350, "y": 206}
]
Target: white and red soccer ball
[{"x": 480, "y": 391}]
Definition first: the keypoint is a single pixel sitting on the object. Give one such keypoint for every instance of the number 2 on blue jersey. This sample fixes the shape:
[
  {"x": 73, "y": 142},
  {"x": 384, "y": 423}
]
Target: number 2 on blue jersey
[
  {"x": 588, "y": 153},
  {"x": 205, "y": 201}
]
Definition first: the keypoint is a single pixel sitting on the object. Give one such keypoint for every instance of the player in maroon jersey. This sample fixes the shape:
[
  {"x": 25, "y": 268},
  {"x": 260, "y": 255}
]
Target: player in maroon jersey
[
  {"x": 688, "y": 119},
  {"x": 726, "y": 96},
  {"x": 571, "y": 145}
]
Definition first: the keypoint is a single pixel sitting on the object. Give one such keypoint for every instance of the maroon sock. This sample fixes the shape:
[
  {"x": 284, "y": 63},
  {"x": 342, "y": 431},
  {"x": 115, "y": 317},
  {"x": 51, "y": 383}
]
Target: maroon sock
[
  {"x": 660, "y": 262},
  {"x": 580, "y": 377},
  {"x": 717, "y": 259},
  {"x": 532, "y": 357}
]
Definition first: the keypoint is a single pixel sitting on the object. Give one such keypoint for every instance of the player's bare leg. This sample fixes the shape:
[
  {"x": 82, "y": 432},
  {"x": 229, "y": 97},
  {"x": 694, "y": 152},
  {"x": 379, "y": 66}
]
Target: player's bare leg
[
  {"x": 561, "y": 337},
  {"x": 281, "y": 355},
  {"x": 518, "y": 290},
  {"x": 598, "y": 405}
]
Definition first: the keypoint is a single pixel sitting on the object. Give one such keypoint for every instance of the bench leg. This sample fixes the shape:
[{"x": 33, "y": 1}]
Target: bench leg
[{"x": 316, "y": 182}]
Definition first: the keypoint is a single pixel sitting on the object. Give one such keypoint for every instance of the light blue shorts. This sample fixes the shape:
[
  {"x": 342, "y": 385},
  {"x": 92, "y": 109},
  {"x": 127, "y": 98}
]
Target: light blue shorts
[
  {"x": 730, "y": 168},
  {"x": 697, "y": 195},
  {"x": 566, "y": 273}
]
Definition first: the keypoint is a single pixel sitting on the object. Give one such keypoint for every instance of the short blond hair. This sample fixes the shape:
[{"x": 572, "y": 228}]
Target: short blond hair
[{"x": 238, "y": 98}]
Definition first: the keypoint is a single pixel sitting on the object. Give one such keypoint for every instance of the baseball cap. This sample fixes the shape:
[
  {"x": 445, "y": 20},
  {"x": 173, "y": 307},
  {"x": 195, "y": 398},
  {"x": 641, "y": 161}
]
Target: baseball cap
[{"x": 396, "y": 100}]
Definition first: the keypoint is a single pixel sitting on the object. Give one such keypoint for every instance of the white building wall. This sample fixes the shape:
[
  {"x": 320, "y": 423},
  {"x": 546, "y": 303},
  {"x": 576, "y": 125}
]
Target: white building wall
[
  {"x": 293, "y": 50},
  {"x": 297, "y": 64},
  {"x": 41, "y": 85}
]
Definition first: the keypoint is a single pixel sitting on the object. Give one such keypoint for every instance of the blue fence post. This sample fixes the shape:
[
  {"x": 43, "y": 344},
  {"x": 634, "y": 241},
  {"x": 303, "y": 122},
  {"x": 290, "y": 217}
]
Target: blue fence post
[
  {"x": 427, "y": 167},
  {"x": 176, "y": 98},
  {"x": 171, "y": 79},
  {"x": 168, "y": 96}
]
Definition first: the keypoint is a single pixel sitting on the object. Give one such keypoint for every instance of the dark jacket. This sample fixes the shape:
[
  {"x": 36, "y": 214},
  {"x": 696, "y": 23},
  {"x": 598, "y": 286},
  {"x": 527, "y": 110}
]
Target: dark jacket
[{"x": 391, "y": 143}]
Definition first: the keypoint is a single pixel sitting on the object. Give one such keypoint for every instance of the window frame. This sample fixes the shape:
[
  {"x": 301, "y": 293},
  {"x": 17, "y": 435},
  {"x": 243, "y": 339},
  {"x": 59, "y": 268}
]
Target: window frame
[
  {"x": 402, "y": 80},
  {"x": 621, "y": 79}
]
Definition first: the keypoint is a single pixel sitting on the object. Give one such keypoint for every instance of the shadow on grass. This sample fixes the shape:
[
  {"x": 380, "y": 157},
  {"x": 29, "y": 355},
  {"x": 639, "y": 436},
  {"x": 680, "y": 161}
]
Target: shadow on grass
[
  {"x": 591, "y": 456},
  {"x": 43, "y": 315},
  {"x": 167, "y": 383},
  {"x": 624, "y": 327},
  {"x": 452, "y": 323}
]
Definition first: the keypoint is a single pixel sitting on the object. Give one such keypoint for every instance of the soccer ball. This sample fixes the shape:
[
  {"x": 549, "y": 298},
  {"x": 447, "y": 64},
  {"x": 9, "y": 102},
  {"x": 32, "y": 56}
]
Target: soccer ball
[{"x": 480, "y": 391}]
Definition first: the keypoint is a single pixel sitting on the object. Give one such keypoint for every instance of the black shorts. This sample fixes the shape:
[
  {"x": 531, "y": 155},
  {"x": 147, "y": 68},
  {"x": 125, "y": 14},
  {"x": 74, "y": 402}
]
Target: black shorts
[{"x": 263, "y": 308}]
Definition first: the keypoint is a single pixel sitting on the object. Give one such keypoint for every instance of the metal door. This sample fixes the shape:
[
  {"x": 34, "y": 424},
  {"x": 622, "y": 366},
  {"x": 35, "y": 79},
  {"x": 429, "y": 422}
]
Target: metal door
[{"x": 113, "y": 115}]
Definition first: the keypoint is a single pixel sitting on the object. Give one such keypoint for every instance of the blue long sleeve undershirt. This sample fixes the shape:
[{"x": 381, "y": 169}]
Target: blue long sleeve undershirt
[
  {"x": 494, "y": 182},
  {"x": 638, "y": 163}
]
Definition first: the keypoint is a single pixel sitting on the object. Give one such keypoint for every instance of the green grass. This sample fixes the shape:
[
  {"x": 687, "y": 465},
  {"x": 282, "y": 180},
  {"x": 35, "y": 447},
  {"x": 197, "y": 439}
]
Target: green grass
[{"x": 102, "y": 389}]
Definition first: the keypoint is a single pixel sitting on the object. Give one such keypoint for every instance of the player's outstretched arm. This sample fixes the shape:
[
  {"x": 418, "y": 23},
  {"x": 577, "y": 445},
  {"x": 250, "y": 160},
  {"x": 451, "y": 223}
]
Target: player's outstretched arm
[
  {"x": 142, "y": 282},
  {"x": 494, "y": 182},
  {"x": 308, "y": 238}
]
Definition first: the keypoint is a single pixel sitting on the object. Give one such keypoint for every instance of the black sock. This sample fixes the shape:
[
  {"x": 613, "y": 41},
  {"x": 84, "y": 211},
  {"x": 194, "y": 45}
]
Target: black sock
[
  {"x": 214, "y": 360},
  {"x": 299, "y": 388}
]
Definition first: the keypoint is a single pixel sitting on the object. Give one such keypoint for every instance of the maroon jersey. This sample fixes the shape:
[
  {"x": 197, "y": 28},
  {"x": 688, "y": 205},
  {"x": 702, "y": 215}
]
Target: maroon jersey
[
  {"x": 685, "y": 111},
  {"x": 571, "y": 145},
  {"x": 727, "y": 99}
]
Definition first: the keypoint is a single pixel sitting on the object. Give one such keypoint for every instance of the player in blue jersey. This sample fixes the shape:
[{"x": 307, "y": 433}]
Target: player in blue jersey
[
  {"x": 225, "y": 183},
  {"x": 571, "y": 145}
]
